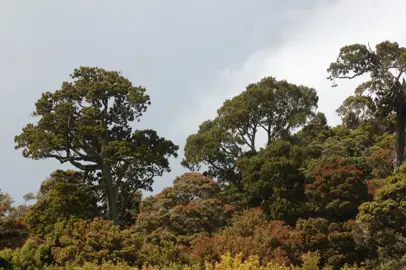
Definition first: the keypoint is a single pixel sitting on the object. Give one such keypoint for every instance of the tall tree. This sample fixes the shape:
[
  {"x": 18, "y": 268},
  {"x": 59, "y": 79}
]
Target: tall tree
[
  {"x": 276, "y": 107},
  {"x": 87, "y": 123},
  {"x": 271, "y": 106},
  {"x": 281, "y": 106},
  {"x": 386, "y": 67}
]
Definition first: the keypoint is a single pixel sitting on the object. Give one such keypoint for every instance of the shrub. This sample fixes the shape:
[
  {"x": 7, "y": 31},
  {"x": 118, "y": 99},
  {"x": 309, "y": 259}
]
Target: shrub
[{"x": 81, "y": 241}]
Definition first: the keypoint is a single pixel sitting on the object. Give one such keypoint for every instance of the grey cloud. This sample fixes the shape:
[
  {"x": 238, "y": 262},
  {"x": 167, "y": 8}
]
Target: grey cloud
[{"x": 176, "y": 49}]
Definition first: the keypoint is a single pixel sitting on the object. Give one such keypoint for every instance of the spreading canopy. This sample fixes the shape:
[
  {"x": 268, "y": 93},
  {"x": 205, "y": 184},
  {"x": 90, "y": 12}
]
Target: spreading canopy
[
  {"x": 88, "y": 124},
  {"x": 273, "y": 107},
  {"x": 386, "y": 67}
]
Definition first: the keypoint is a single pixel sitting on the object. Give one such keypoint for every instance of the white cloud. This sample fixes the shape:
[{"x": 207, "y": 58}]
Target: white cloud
[{"x": 311, "y": 42}]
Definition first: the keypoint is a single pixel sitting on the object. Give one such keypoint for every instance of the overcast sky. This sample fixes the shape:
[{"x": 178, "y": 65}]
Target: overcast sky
[{"x": 190, "y": 55}]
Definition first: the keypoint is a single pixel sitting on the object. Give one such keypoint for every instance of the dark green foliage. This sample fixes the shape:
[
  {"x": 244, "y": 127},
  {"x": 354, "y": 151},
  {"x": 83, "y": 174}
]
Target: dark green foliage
[
  {"x": 335, "y": 242},
  {"x": 386, "y": 67},
  {"x": 129, "y": 205},
  {"x": 272, "y": 180},
  {"x": 4, "y": 264},
  {"x": 270, "y": 106},
  {"x": 63, "y": 195},
  {"x": 382, "y": 221},
  {"x": 305, "y": 187},
  {"x": 188, "y": 208},
  {"x": 87, "y": 123},
  {"x": 315, "y": 131}
]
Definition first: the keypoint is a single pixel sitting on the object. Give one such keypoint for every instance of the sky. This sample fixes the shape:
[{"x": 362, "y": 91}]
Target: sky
[{"x": 190, "y": 56}]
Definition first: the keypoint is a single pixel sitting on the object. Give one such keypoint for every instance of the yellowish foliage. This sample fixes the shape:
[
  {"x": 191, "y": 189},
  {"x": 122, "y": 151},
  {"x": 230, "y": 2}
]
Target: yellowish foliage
[
  {"x": 228, "y": 262},
  {"x": 93, "y": 266}
]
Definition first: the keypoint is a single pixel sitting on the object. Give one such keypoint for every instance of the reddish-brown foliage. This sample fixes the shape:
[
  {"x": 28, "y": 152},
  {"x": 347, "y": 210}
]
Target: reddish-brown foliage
[
  {"x": 251, "y": 234},
  {"x": 337, "y": 189},
  {"x": 12, "y": 233}
]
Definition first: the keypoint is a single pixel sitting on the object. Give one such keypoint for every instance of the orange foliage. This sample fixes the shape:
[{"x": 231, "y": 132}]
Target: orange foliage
[{"x": 250, "y": 234}]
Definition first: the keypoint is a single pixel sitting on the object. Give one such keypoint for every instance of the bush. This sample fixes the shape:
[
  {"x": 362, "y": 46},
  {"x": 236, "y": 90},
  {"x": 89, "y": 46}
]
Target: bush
[
  {"x": 34, "y": 254},
  {"x": 251, "y": 234},
  {"x": 228, "y": 262},
  {"x": 80, "y": 241},
  {"x": 13, "y": 233}
]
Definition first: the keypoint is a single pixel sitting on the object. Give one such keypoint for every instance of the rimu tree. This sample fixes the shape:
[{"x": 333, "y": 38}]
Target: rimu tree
[
  {"x": 386, "y": 67},
  {"x": 87, "y": 123}
]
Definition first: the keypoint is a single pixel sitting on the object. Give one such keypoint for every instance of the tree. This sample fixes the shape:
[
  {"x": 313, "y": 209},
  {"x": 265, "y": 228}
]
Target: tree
[
  {"x": 78, "y": 241},
  {"x": 382, "y": 221},
  {"x": 190, "y": 207},
  {"x": 335, "y": 242},
  {"x": 386, "y": 67},
  {"x": 272, "y": 180},
  {"x": 129, "y": 206},
  {"x": 87, "y": 123},
  {"x": 336, "y": 189},
  {"x": 314, "y": 132},
  {"x": 61, "y": 196},
  {"x": 351, "y": 145},
  {"x": 355, "y": 110},
  {"x": 19, "y": 212},
  {"x": 271, "y": 106},
  {"x": 282, "y": 106},
  {"x": 216, "y": 148},
  {"x": 13, "y": 233},
  {"x": 251, "y": 234},
  {"x": 380, "y": 156}
]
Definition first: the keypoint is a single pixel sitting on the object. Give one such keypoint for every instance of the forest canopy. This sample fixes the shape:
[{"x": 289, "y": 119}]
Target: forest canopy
[{"x": 308, "y": 196}]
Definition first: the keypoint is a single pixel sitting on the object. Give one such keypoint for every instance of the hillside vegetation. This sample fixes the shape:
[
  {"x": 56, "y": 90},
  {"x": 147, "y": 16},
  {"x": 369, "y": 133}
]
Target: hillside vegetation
[{"x": 270, "y": 185}]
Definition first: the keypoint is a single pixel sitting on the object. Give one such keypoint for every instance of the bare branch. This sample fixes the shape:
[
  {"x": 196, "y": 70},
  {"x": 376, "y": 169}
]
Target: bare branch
[
  {"x": 351, "y": 77},
  {"x": 74, "y": 161}
]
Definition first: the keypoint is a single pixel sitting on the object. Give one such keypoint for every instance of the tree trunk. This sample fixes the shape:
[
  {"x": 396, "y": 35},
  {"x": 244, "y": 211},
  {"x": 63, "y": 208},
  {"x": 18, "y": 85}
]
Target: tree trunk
[
  {"x": 400, "y": 134},
  {"x": 111, "y": 194}
]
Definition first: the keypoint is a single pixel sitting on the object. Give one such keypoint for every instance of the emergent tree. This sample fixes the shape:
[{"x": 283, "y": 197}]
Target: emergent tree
[
  {"x": 270, "y": 106},
  {"x": 87, "y": 123},
  {"x": 386, "y": 67}
]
